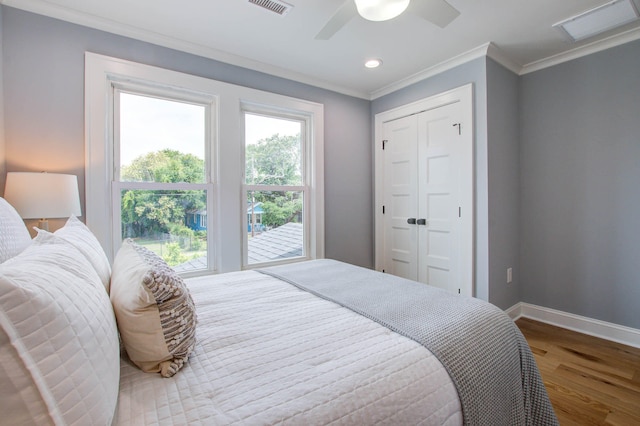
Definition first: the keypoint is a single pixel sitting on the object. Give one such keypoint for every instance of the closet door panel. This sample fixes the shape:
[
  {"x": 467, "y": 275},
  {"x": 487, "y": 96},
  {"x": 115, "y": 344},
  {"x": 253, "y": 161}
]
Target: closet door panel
[
  {"x": 401, "y": 204},
  {"x": 438, "y": 146}
]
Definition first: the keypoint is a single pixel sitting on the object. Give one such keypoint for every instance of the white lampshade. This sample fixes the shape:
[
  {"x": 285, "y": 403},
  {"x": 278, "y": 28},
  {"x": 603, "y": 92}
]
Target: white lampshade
[
  {"x": 381, "y": 10},
  {"x": 43, "y": 195}
]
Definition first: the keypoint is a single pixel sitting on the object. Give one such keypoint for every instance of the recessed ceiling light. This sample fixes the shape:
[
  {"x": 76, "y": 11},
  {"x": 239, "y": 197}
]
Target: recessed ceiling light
[
  {"x": 373, "y": 63},
  {"x": 600, "y": 19}
]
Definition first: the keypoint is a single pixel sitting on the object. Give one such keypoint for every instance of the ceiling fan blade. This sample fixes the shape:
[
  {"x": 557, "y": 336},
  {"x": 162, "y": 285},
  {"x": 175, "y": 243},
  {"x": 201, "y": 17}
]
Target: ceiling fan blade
[
  {"x": 343, "y": 15},
  {"x": 439, "y": 12}
]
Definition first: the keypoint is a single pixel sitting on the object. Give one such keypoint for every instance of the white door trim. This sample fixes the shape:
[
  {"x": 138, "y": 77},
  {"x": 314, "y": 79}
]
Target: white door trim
[{"x": 464, "y": 95}]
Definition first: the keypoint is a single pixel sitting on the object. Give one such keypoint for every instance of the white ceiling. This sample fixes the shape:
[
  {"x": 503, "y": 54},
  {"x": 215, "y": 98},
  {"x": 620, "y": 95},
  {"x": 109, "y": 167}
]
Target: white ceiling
[{"x": 517, "y": 33}]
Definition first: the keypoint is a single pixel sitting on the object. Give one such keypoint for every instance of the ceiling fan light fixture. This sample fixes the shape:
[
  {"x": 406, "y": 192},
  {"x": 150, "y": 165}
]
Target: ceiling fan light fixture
[{"x": 381, "y": 10}]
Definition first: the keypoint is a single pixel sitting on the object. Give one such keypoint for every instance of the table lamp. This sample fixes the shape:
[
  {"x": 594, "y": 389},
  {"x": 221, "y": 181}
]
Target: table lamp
[{"x": 43, "y": 195}]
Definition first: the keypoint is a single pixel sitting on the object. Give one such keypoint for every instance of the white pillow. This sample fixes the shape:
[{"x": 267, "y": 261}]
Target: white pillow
[
  {"x": 61, "y": 338},
  {"x": 83, "y": 239},
  {"x": 20, "y": 400},
  {"x": 14, "y": 235},
  {"x": 155, "y": 312}
]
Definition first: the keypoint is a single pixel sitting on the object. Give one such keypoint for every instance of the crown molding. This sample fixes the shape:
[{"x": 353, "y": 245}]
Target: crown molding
[
  {"x": 91, "y": 21},
  {"x": 492, "y": 51},
  {"x": 488, "y": 49},
  {"x": 485, "y": 50},
  {"x": 500, "y": 57},
  {"x": 578, "y": 52},
  {"x": 475, "y": 53}
]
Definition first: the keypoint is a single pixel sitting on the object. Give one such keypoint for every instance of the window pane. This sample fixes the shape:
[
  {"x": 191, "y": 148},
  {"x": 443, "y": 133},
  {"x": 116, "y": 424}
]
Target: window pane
[
  {"x": 273, "y": 151},
  {"x": 274, "y": 225},
  {"x": 170, "y": 223},
  {"x": 161, "y": 140}
]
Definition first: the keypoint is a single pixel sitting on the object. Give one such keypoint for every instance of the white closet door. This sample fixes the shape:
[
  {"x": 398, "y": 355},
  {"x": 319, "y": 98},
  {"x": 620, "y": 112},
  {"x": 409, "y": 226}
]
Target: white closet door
[
  {"x": 401, "y": 203},
  {"x": 426, "y": 179},
  {"x": 424, "y": 191},
  {"x": 439, "y": 145}
]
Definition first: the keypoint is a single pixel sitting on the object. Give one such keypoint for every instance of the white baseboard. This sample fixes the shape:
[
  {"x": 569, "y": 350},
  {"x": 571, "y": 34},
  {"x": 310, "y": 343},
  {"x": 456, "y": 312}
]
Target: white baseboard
[{"x": 593, "y": 327}]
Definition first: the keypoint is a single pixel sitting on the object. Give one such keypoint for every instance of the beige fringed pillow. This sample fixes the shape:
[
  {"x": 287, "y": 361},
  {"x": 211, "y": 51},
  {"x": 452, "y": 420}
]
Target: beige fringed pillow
[{"x": 154, "y": 310}]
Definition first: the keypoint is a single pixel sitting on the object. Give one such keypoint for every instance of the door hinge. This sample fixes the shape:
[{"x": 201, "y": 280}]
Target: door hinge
[
  {"x": 458, "y": 291},
  {"x": 383, "y": 209},
  {"x": 384, "y": 142},
  {"x": 459, "y": 211}
]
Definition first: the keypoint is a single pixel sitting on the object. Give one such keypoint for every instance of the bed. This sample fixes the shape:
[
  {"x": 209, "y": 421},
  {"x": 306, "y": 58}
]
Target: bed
[{"x": 317, "y": 342}]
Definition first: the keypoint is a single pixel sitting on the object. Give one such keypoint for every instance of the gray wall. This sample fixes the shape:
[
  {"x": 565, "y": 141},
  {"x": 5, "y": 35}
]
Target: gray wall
[
  {"x": 471, "y": 72},
  {"x": 503, "y": 184},
  {"x": 556, "y": 194},
  {"x": 580, "y": 186},
  {"x": 44, "y": 115}
]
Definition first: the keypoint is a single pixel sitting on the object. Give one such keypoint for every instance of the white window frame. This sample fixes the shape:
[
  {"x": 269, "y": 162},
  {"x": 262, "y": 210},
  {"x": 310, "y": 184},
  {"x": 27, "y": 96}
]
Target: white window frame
[
  {"x": 305, "y": 187},
  {"x": 117, "y": 186},
  {"x": 226, "y": 150}
]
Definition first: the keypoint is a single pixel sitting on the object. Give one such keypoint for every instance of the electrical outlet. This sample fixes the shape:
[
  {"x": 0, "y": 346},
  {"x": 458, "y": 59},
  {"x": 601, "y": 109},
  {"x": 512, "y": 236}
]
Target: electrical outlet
[{"x": 509, "y": 275}]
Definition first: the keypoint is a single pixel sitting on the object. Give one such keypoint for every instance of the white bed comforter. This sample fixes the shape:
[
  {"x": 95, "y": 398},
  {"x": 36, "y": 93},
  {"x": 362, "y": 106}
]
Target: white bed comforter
[{"x": 269, "y": 353}]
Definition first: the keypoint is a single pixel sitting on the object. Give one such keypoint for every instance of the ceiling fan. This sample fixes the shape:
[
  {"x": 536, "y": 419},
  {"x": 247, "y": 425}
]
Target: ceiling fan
[{"x": 438, "y": 12}]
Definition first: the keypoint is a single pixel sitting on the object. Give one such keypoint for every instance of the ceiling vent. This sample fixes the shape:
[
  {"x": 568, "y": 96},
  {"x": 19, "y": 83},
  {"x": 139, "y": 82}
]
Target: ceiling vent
[
  {"x": 598, "y": 20},
  {"x": 275, "y": 6}
]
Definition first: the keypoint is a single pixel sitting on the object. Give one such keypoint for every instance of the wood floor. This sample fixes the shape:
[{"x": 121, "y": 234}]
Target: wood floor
[{"x": 590, "y": 381}]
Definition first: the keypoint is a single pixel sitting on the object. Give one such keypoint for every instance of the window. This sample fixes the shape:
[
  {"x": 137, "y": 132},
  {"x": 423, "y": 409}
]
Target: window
[
  {"x": 166, "y": 164},
  {"x": 161, "y": 180},
  {"x": 275, "y": 187}
]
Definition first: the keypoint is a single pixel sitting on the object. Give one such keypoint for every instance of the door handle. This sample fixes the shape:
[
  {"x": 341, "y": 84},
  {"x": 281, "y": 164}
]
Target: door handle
[
  {"x": 411, "y": 221},
  {"x": 422, "y": 221}
]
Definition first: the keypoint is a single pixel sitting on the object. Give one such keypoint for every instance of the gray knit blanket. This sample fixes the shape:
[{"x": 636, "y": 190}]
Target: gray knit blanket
[{"x": 486, "y": 356}]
